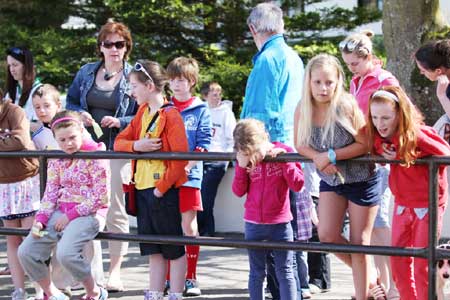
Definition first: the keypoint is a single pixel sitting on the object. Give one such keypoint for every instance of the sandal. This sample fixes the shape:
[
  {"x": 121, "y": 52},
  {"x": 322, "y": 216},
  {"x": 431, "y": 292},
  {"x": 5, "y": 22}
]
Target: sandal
[
  {"x": 5, "y": 271},
  {"x": 377, "y": 291}
]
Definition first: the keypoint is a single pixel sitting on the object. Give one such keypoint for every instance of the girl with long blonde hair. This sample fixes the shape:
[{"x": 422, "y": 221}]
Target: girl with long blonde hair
[{"x": 327, "y": 130}]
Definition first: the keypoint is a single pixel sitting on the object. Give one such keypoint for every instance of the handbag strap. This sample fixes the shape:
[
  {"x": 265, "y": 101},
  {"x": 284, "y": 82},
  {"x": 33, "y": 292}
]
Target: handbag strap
[{"x": 155, "y": 116}]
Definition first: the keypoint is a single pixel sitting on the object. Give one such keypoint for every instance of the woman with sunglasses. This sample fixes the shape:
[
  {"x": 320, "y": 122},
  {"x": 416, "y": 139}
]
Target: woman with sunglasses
[
  {"x": 369, "y": 76},
  {"x": 99, "y": 92},
  {"x": 21, "y": 80}
]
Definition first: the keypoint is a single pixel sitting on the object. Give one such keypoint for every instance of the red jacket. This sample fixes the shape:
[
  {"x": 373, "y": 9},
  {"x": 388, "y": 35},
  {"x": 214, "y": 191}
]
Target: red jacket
[
  {"x": 362, "y": 88},
  {"x": 410, "y": 185},
  {"x": 267, "y": 188},
  {"x": 173, "y": 139}
]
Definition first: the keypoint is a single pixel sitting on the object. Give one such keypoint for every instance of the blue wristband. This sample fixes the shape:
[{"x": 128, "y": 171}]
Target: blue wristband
[{"x": 332, "y": 156}]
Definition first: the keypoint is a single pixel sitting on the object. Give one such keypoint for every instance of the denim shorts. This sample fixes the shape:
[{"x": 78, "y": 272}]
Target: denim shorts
[
  {"x": 364, "y": 193},
  {"x": 159, "y": 216},
  {"x": 382, "y": 218}
]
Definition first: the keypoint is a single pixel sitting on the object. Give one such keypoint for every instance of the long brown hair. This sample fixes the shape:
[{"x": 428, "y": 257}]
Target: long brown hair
[
  {"x": 409, "y": 121},
  {"x": 24, "y": 56}
]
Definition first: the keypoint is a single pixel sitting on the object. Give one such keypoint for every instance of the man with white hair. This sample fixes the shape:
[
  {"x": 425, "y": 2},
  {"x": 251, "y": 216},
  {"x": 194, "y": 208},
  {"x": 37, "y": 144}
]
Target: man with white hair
[{"x": 274, "y": 86}]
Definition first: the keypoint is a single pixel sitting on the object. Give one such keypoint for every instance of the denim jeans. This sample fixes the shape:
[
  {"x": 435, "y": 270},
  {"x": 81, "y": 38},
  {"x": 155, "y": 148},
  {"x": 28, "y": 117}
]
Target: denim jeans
[
  {"x": 212, "y": 176},
  {"x": 283, "y": 260}
]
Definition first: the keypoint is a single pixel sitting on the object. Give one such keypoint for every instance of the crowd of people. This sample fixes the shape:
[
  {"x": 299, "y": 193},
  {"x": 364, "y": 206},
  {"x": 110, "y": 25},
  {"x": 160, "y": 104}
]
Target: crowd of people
[{"x": 113, "y": 105}]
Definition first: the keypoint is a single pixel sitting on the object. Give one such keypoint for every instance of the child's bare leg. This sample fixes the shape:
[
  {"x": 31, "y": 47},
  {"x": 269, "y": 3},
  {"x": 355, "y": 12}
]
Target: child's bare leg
[
  {"x": 189, "y": 223},
  {"x": 49, "y": 288},
  {"x": 157, "y": 273},
  {"x": 177, "y": 274}
]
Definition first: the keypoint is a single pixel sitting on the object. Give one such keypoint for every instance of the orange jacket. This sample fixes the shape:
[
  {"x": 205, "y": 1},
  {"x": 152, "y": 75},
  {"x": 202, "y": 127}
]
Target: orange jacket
[{"x": 173, "y": 139}]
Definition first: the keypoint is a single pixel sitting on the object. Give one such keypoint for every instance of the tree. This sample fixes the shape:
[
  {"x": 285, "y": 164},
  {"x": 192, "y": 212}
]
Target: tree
[{"x": 406, "y": 26}]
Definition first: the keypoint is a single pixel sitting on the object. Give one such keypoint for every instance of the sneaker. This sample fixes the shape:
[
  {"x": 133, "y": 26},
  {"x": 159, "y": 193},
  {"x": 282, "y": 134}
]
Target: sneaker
[
  {"x": 191, "y": 288},
  {"x": 19, "y": 294},
  {"x": 166, "y": 288},
  {"x": 306, "y": 294},
  {"x": 60, "y": 296},
  {"x": 314, "y": 289}
]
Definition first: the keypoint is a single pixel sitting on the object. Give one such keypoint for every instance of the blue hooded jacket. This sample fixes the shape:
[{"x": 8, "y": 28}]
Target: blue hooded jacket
[{"x": 197, "y": 123}]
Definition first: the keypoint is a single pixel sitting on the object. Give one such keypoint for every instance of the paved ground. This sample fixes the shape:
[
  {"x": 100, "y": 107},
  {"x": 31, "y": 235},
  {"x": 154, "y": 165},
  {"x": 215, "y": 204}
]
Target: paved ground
[{"x": 222, "y": 273}]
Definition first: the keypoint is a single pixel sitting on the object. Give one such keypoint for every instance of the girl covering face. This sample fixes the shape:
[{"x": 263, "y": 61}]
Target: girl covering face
[{"x": 267, "y": 210}]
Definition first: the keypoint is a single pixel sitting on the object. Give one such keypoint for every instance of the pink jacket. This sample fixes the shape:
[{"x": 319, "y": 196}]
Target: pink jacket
[
  {"x": 76, "y": 187},
  {"x": 267, "y": 188},
  {"x": 362, "y": 88}
]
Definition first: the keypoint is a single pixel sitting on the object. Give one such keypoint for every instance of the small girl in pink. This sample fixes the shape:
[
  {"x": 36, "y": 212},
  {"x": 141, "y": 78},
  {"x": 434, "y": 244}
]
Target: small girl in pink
[
  {"x": 77, "y": 190},
  {"x": 267, "y": 213},
  {"x": 396, "y": 131}
]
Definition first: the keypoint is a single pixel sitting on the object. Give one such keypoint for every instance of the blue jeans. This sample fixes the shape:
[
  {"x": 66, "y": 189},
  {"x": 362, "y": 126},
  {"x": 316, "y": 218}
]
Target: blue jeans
[
  {"x": 212, "y": 176},
  {"x": 283, "y": 260}
]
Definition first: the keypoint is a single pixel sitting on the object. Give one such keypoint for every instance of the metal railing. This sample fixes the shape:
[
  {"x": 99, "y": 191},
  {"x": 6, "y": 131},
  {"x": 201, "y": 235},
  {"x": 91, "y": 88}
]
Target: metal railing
[{"x": 431, "y": 253}]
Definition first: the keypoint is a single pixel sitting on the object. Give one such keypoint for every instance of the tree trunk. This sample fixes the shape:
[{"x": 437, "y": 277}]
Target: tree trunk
[{"x": 406, "y": 26}]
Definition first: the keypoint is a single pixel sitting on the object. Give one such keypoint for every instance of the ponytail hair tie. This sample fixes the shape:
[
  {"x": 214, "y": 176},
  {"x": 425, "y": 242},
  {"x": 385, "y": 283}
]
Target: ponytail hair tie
[
  {"x": 64, "y": 119},
  {"x": 386, "y": 94}
]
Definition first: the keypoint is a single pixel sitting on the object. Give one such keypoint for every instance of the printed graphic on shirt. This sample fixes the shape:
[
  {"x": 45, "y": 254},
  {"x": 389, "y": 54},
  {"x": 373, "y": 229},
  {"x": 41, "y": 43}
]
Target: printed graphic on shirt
[
  {"x": 272, "y": 170},
  {"x": 190, "y": 122}
]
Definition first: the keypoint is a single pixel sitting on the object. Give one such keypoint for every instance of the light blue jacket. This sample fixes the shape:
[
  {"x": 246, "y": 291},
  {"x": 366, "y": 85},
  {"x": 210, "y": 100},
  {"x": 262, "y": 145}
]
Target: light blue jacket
[
  {"x": 274, "y": 88},
  {"x": 126, "y": 107}
]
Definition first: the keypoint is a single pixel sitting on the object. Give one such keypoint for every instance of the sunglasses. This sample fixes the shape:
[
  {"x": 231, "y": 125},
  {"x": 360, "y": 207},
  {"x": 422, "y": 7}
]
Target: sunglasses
[
  {"x": 15, "y": 50},
  {"x": 109, "y": 45},
  {"x": 349, "y": 45},
  {"x": 140, "y": 68}
]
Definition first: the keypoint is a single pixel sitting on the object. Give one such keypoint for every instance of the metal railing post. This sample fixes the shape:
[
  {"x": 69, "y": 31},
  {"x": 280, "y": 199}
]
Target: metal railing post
[
  {"x": 432, "y": 226},
  {"x": 42, "y": 174}
]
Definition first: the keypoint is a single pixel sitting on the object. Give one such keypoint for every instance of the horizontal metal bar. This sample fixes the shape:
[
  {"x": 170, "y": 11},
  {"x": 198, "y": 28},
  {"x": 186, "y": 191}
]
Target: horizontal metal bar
[
  {"x": 207, "y": 156},
  {"x": 239, "y": 243}
]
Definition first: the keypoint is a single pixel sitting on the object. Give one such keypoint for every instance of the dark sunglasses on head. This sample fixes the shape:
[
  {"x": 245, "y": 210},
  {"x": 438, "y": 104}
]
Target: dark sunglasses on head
[
  {"x": 109, "y": 45},
  {"x": 15, "y": 50},
  {"x": 140, "y": 68}
]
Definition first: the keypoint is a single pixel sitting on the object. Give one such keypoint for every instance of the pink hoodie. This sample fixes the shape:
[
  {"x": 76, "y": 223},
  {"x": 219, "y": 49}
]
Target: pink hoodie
[
  {"x": 363, "y": 87},
  {"x": 267, "y": 188}
]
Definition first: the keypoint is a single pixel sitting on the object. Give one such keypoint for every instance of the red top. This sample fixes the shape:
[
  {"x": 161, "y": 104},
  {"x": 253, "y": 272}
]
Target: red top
[
  {"x": 410, "y": 185},
  {"x": 182, "y": 105}
]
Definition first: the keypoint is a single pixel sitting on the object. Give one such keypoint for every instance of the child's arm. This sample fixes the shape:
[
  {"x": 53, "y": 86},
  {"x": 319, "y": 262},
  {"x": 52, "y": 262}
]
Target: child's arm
[
  {"x": 178, "y": 142},
  {"x": 293, "y": 174},
  {"x": 240, "y": 181},
  {"x": 126, "y": 138},
  {"x": 430, "y": 143},
  {"x": 95, "y": 191},
  {"x": 51, "y": 194},
  {"x": 18, "y": 137},
  {"x": 203, "y": 136}
]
